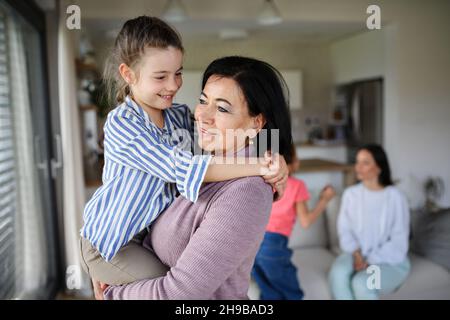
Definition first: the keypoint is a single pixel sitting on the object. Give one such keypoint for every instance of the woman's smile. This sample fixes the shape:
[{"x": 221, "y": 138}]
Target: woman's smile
[{"x": 205, "y": 132}]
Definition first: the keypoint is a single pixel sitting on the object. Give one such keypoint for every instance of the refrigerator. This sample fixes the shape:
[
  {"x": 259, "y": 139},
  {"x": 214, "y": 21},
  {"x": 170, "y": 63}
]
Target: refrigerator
[{"x": 361, "y": 104}]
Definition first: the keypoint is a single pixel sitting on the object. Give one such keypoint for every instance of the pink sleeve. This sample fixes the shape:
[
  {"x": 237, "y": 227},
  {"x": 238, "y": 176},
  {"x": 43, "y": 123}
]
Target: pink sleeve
[{"x": 301, "y": 192}]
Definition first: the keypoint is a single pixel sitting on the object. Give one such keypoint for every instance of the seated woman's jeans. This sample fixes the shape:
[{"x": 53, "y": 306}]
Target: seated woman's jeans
[
  {"x": 346, "y": 284},
  {"x": 273, "y": 270}
]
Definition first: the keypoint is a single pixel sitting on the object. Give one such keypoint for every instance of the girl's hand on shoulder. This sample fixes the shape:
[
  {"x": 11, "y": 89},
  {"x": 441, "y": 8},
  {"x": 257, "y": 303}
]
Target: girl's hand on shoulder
[{"x": 278, "y": 173}]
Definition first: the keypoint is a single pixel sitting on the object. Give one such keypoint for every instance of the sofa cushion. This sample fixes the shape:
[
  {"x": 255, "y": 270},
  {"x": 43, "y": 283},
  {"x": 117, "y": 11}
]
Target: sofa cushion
[
  {"x": 424, "y": 278},
  {"x": 431, "y": 235},
  {"x": 253, "y": 290},
  {"x": 315, "y": 235},
  {"x": 441, "y": 293},
  {"x": 313, "y": 265}
]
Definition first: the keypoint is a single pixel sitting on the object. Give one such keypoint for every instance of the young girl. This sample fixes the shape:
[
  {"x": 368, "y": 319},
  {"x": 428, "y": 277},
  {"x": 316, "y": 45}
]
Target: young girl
[
  {"x": 273, "y": 270},
  {"x": 146, "y": 164}
]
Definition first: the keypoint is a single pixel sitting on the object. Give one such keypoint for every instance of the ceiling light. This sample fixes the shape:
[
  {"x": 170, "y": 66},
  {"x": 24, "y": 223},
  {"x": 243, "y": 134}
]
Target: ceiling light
[
  {"x": 270, "y": 14},
  {"x": 175, "y": 12}
]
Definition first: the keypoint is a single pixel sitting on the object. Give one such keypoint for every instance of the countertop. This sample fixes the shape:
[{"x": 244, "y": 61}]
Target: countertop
[
  {"x": 316, "y": 164},
  {"x": 319, "y": 145}
]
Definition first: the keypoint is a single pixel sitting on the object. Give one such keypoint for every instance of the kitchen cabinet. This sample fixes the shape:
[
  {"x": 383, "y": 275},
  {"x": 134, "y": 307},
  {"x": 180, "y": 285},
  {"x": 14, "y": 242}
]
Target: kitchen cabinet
[
  {"x": 336, "y": 152},
  {"x": 322, "y": 165},
  {"x": 294, "y": 80}
]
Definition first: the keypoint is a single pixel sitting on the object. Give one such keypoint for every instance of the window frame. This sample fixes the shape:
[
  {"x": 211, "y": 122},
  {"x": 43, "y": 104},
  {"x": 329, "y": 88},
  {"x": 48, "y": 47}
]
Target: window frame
[{"x": 34, "y": 15}]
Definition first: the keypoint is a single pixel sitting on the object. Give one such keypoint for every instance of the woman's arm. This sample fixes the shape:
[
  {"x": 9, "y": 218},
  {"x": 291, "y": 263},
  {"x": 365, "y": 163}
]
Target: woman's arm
[
  {"x": 232, "y": 230},
  {"x": 395, "y": 249},
  {"x": 347, "y": 239}
]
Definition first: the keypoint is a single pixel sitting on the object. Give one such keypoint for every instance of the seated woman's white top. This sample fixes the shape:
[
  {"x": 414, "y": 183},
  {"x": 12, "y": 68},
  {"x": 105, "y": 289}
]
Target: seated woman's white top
[{"x": 377, "y": 222}]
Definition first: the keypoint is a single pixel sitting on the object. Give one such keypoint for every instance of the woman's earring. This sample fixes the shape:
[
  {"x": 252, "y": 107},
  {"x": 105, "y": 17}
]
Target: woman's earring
[{"x": 250, "y": 141}]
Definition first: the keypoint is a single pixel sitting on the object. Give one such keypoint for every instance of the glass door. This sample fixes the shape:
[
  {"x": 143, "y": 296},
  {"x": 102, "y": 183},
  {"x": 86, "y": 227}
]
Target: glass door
[{"x": 28, "y": 237}]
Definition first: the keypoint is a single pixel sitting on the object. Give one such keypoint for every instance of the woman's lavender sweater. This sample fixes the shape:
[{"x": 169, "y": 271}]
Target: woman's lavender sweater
[{"x": 210, "y": 245}]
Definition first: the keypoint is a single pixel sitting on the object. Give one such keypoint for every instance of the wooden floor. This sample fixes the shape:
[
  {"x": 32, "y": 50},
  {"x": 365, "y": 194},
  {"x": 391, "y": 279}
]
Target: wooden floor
[{"x": 69, "y": 296}]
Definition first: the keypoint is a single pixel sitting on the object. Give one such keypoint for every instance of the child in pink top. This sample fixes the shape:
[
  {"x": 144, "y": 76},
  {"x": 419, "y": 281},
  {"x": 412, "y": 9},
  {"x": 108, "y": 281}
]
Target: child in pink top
[{"x": 273, "y": 270}]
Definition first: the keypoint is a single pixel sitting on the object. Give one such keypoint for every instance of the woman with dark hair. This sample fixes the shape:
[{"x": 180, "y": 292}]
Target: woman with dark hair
[
  {"x": 373, "y": 229},
  {"x": 209, "y": 246}
]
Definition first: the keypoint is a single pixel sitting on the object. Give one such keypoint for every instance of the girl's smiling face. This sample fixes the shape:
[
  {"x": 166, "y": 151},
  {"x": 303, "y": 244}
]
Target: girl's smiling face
[
  {"x": 156, "y": 78},
  {"x": 222, "y": 116}
]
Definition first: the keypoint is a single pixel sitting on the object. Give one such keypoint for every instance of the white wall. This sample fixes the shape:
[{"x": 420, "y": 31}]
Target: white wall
[
  {"x": 312, "y": 60},
  {"x": 358, "y": 57},
  {"x": 416, "y": 69}
]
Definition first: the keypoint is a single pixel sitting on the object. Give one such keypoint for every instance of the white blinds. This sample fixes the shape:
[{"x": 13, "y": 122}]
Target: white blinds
[{"x": 7, "y": 174}]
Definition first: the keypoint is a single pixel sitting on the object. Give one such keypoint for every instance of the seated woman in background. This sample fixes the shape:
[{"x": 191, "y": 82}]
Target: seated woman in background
[{"x": 373, "y": 229}]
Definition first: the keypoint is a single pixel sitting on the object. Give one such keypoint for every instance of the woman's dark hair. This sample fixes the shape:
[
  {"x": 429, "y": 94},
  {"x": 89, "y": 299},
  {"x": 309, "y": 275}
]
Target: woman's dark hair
[
  {"x": 134, "y": 38},
  {"x": 265, "y": 92},
  {"x": 380, "y": 157}
]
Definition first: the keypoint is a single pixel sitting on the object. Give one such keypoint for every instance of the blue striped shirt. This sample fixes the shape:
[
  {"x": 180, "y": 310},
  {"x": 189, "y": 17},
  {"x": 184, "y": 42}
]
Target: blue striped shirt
[{"x": 144, "y": 167}]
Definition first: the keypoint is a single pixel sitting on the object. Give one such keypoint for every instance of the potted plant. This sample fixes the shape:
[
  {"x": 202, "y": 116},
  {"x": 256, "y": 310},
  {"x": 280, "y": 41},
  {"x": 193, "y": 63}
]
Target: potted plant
[{"x": 434, "y": 189}]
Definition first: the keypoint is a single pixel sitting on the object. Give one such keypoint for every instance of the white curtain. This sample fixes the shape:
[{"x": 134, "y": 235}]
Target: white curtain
[
  {"x": 73, "y": 185},
  {"x": 31, "y": 249}
]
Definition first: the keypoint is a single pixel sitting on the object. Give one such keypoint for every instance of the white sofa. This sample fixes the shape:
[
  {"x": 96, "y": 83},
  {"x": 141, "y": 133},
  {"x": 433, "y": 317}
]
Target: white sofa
[{"x": 316, "y": 248}]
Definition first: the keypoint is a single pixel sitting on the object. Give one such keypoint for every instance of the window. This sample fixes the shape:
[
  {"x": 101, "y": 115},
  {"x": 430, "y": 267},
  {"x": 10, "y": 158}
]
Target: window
[
  {"x": 7, "y": 175},
  {"x": 28, "y": 252}
]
